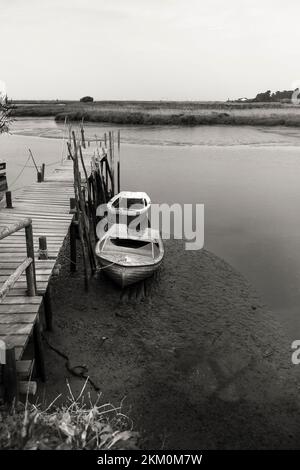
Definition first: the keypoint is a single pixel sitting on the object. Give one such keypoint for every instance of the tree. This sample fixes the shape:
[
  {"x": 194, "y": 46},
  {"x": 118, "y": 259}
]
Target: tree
[
  {"x": 87, "y": 99},
  {"x": 263, "y": 97},
  {"x": 5, "y": 113}
]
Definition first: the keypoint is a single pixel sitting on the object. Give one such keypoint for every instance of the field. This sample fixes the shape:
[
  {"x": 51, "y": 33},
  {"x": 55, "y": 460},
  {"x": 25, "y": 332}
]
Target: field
[{"x": 185, "y": 113}]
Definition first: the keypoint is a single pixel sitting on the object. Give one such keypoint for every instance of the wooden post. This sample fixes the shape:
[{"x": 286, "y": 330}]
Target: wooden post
[
  {"x": 8, "y": 200},
  {"x": 10, "y": 379},
  {"x": 48, "y": 309},
  {"x": 43, "y": 171},
  {"x": 30, "y": 271},
  {"x": 119, "y": 183},
  {"x": 82, "y": 137},
  {"x": 43, "y": 252},
  {"x": 119, "y": 161},
  {"x": 39, "y": 353},
  {"x": 39, "y": 177},
  {"x": 73, "y": 234},
  {"x": 105, "y": 140},
  {"x": 73, "y": 258},
  {"x": 72, "y": 205}
]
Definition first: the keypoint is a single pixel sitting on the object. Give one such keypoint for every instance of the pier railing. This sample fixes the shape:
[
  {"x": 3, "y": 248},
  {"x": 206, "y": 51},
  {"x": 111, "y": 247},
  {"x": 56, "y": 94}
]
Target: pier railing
[{"x": 27, "y": 265}]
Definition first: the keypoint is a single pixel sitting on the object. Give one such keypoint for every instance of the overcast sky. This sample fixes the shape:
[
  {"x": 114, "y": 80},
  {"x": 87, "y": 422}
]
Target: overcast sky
[{"x": 148, "y": 49}]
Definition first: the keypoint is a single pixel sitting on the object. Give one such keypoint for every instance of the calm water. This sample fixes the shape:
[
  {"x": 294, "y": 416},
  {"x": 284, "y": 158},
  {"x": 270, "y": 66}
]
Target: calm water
[{"x": 247, "y": 178}]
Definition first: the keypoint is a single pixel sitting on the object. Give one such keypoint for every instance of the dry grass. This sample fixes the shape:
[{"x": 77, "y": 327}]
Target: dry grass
[
  {"x": 74, "y": 425},
  {"x": 149, "y": 113}
]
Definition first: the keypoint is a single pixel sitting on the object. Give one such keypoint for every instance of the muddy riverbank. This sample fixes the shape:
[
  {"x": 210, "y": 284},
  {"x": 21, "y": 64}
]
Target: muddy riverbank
[{"x": 196, "y": 358}]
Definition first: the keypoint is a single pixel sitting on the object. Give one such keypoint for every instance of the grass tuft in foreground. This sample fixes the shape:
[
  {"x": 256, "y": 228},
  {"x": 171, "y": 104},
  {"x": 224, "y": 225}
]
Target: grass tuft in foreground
[{"x": 71, "y": 426}]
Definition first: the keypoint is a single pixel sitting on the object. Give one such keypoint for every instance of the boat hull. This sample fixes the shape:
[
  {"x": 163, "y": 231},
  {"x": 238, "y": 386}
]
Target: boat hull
[{"x": 127, "y": 275}]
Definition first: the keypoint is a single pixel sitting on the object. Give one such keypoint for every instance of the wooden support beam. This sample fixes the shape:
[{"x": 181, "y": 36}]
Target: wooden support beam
[
  {"x": 39, "y": 351},
  {"x": 48, "y": 309},
  {"x": 10, "y": 378},
  {"x": 27, "y": 388},
  {"x": 24, "y": 368}
]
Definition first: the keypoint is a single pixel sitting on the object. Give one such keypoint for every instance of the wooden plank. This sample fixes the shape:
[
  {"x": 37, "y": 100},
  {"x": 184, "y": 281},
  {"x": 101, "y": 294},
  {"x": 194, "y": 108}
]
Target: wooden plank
[
  {"x": 40, "y": 264},
  {"x": 17, "y": 318},
  {"x": 21, "y": 290},
  {"x": 16, "y": 329},
  {"x": 14, "y": 340},
  {"x": 19, "y": 308},
  {"x": 40, "y": 277},
  {"x": 25, "y": 300}
]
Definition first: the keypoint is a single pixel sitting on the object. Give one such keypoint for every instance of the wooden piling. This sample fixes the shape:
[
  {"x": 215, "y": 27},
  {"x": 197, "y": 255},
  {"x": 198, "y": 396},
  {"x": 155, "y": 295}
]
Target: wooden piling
[
  {"x": 39, "y": 351},
  {"x": 43, "y": 171},
  {"x": 48, "y": 309},
  {"x": 72, "y": 205},
  {"x": 73, "y": 236},
  {"x": 119, "y": 161},
  {"x": 82, "y": 135},
  {"x": 43, "y": 252},
  {"x": 30, "y": 271},
  {"x": 119, "y": 182},
  {"x": 8, "y": 200}
]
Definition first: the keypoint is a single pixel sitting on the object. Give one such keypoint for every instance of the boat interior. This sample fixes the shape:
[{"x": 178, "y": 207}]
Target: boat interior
[{"x": 134, "y": 249}]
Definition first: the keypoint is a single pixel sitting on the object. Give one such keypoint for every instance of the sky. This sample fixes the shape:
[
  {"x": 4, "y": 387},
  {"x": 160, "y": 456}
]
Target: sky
[{"x": 148, "y": 49}]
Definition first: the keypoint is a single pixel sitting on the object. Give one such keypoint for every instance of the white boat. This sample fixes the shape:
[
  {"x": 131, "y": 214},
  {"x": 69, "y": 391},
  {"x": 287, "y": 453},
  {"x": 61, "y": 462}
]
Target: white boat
[
  {"x": 129, "y": 256},
  {"x": 128, "y": 204}
]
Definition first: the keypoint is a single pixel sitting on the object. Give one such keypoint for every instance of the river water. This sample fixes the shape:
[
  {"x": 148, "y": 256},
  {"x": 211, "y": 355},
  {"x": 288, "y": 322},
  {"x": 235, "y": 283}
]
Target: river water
[{"x": 247, "y": 178}]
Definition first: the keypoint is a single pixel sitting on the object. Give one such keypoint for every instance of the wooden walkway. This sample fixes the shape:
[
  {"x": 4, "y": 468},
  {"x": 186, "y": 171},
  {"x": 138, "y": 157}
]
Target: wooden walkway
[{"x": 48, "y": 205}]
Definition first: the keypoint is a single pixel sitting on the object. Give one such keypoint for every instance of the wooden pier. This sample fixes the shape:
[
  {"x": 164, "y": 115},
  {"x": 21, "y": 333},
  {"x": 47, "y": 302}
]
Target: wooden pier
[{"x": 33, "y": 227}]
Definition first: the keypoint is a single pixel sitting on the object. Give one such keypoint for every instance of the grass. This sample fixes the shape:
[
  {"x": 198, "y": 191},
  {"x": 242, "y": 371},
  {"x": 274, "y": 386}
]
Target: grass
[
  {"x": 74, "y": 425},
  {"x": 149, "y": 113}
]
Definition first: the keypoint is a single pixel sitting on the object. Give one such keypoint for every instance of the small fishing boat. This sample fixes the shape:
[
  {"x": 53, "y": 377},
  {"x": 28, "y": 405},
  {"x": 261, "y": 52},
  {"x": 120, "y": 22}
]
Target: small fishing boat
[
  {"x": 129, "y": 205},
  {"x": 129, "y": 256}
]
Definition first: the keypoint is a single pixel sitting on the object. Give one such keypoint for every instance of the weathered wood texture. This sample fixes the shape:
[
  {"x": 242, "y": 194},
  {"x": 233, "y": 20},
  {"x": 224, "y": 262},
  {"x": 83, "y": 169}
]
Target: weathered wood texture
[{"x": 47, "y": 205}]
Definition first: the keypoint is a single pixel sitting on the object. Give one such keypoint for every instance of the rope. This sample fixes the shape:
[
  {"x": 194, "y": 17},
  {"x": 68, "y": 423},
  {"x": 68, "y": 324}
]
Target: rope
[
  {"x": 83, "y": 369},
  {"x": 30, "y": 153},
  {"x": 47, "y": 164},
  {"x": 98, "y": 268}
]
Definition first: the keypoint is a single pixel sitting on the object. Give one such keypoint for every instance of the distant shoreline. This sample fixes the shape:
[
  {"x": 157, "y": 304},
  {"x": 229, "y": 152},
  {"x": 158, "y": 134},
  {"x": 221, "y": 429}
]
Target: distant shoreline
[{"x": 150, "y": 113}]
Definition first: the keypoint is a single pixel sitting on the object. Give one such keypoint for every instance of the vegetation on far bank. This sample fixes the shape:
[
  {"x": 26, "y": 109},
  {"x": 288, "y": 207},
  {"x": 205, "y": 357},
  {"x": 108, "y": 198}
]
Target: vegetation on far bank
[{"x": 177, "y": 113}]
